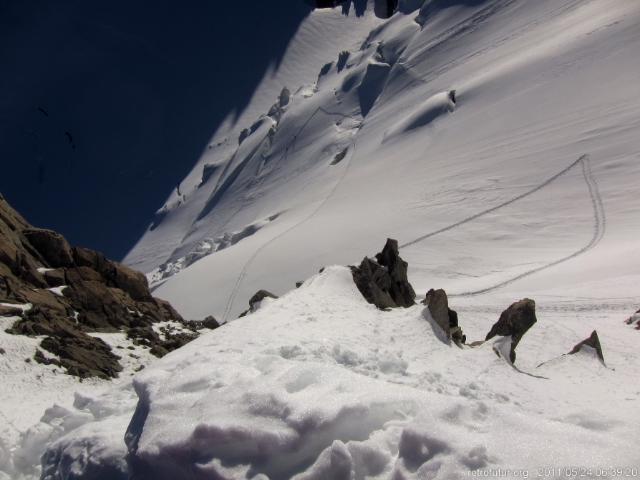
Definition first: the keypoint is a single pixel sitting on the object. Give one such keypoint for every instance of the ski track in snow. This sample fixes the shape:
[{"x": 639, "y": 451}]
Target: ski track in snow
[
  {"x": 599, "y": 218},
  {"x": 245, "y": 268},
  {"x": 599, "y": 227}
]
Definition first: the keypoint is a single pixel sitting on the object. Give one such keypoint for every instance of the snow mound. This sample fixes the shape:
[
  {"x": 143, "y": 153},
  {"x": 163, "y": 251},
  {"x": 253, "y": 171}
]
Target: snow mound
[
  {"x": 319, "y": 384},
  {"x": 425, "y": 113}
]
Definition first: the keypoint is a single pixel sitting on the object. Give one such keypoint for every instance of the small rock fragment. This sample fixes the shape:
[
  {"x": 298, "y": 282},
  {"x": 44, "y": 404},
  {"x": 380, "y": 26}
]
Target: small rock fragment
[
  {"x": 447, "y": 319},
  {"x": 593, "y": 341},
  {"x": 514, "y": 322}
]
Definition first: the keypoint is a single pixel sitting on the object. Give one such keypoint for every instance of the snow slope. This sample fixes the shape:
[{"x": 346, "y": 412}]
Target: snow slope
[
  {"x": 36, "y": 397},
  {"x": 321, "y": 385},
  {"x": 527, "y": 176}
]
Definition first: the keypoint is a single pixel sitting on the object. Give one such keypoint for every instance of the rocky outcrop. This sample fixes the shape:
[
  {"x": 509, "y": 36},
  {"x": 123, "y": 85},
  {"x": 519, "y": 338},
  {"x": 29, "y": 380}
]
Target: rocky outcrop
[
  {"x": 634, "y": 320},
  {"x": 382, "y": 8},
  {"x": 383, "y": 281},
  {"x": 80, "y": 354},
  {"x": 514, "y": 322},
  {"x": 385, "y": 8},
  {"x": 447, "y": 319},
  {"x": 52, "y": 246},
  {"x": 258, "y": 297},
  {"x": 75, "y": 291},
  {"x": 593, "y": 342},
  {"x": 326, "y": 3},
  {"x": 255, "y": 300}
]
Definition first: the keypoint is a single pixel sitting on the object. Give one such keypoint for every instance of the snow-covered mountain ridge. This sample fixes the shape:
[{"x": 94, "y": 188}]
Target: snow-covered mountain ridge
[{"x": 451, "y": 121}]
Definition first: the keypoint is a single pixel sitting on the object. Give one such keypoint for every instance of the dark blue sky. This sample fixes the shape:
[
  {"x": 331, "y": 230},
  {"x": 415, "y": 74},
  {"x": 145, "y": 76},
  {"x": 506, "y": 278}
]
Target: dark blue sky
[{"x": 106, "y": 105}]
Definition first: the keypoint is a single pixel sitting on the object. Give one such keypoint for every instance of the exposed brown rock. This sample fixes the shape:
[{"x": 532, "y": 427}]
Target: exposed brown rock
[
  {"x": 514, "y": 322},
  {"x": 7, "y": 311},
  {"x": 55, "y": 278},
  {"x": 210, "y": 322},
  {"x": 81, "y": 354},
  {"x": 259, "y": 296},
  {"x": 593, "y": 341},
  {"x": 132, "y": 282},
  {"x": 635, "y": 318},
  {"x": 255, "y": 300},
  {"x": 99, "y": 295},
  {"x": 447, "y": 319},
  {"x": 83, "y": 257},
  {"x": 383, "y": 282},
  {"x": 374, "y": 283},
  {"x": 52, "y": 246}
]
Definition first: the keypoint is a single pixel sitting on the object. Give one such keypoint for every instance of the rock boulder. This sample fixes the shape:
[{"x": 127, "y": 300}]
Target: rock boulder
[
  {"x": 514, "y": 322},
  {"x": 92, "y": 294},
  {"x": 447, "y": 319},
  {"x": 383, "y": 282},
  {"x": 593, "y": 341},
  {"x": 52, "y": 246}
]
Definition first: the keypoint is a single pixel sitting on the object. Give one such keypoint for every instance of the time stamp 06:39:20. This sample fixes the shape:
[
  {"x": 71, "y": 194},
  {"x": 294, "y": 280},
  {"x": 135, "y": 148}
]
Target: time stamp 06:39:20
[{"x": 588, "y": 472}]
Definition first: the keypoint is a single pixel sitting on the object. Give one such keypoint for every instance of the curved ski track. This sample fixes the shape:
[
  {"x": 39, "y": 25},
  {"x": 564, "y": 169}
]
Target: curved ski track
[{"x": 599, "y": 218}]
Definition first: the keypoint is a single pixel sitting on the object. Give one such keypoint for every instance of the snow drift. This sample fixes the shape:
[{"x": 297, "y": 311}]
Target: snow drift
[
  {"x": 382, "y": 398},
  {"x": 454, "y": 126}
]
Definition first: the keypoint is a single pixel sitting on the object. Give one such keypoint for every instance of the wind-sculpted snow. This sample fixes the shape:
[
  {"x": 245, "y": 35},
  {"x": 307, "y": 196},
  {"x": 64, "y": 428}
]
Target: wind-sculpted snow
[
  {"x": 452, "y": 116},
  {"x": 424, "y": 114},
  {"x": 319, "y": 384}
]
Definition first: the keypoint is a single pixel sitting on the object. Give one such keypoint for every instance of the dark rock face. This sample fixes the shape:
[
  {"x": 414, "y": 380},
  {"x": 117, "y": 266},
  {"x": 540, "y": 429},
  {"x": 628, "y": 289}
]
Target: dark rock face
[
  {"x": 438, "y": 305},
  {"x": 514, "y": 322},
  {"x": 53, "y": 247},
  {"x": 80, "y": 354},
  {"x": 374, "y": 283},
  {"x": 593, "y": 341},
  {"x": 385, "y": 8},
  {"x": 383, "y": 282},
  {"x": 255, "y": 300},
  {"x": 259, "y": 296},
  {"x": 447, "y": 319},
  {"x": 633, "y": 319},
  {"x": 210, "y": 322},
  {"x": 7, "y": 311},
  {"x": 327, "y": 3},
  {"x": 98, "y": 295}
]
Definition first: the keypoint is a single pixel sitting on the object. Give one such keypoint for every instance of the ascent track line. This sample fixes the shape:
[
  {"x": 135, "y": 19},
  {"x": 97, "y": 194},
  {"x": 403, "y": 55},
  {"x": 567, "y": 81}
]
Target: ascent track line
[
  {"x": 599, "y": 224},
  {"x": 245, "y": 268}
]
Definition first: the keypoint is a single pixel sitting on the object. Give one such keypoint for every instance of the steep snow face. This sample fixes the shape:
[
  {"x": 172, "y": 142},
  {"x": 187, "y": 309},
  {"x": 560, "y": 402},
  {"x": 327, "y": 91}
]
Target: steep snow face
[
  {"x": 321, "y": 385},
  {"x": 496, "y": 140},
  {"x": 238, "y": 151}
]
